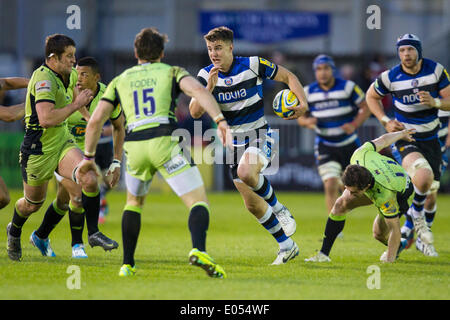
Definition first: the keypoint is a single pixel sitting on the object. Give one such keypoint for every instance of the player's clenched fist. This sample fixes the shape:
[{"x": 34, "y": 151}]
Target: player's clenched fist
[{"x": 83, "y": 98}]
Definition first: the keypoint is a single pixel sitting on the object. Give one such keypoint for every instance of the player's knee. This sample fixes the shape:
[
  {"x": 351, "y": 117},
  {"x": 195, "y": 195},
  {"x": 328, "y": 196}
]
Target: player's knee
[
  {"x": 245, "y": 174},
  {"x": 89, "y": 181},
  {"x": 340, "y": 206},
  {"x": 30, "y": 208},
  {"x": 422, "y": 175},
  {"x": 423, "y": 185},
  {"x": 377, "y": 235}
]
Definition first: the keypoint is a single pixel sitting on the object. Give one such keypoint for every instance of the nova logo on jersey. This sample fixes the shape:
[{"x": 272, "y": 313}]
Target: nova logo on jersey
[
  {"x": 410, "y": 98},
  {"x": 233, "y": 95},
  {"x": 326, "y": 104}
]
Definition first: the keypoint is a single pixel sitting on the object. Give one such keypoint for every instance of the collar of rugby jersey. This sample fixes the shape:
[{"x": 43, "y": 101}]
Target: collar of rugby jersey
[
  {"x": 66, "y": 85},
  {"x": 95, "y": 95}
]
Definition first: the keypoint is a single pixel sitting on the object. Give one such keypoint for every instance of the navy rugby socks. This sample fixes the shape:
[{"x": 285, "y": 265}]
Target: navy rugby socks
[
  {"x": 131, "y": 225},
  {"x": 334, "y": 226},
  {"x": 198, "y": 223}
]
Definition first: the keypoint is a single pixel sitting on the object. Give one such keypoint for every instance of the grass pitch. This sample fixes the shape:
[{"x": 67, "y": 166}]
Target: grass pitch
[{"x": 239, "y": 244}]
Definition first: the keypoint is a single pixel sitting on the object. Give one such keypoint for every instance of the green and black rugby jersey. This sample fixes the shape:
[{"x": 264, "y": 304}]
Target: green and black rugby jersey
[
  {"x": 76, "y": 122},
  {"x": 46, "y": 85},
  {"x": 390, "y": 178},
  {"x": 148, "y": 95}
]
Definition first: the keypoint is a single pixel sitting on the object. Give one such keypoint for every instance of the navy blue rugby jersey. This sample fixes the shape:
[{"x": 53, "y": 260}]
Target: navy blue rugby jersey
[
  {"x": 333, "y": 108},
  {"x": 404, "y": 88},
  {"x": 239, "y": 92}
]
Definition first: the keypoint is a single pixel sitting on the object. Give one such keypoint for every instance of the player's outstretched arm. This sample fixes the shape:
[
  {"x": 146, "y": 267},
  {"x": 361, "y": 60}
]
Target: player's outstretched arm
[
  {"x": 118, "y": 141},
  {"x": 389, "y": 138},
  {"x": 393, "y": 225},
  {"x": 195, "y": 108},
  {"x": 193, "y": 88},
  {"x": 287, "y": 77},
  {"x": 13, "y": 83},
  {"x": 12, "y": 113},
  {"x": 95, "y": 126},
  {"x": 93, "y": 132}
]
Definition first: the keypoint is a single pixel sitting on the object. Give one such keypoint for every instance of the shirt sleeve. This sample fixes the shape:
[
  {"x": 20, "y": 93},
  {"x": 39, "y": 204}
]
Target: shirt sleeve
[
  {"x": 267, "y": 69},
  {"x": 110, "y": 94},
  {"x": 45, "y": 87},
  {"x": 201, "y": 77},
  {"x": 357, "y": 95},
  {"x": 179, "y": 73},
  {"x": 358, "y": 155},
  {"x": 444, "y": 80},
  {"x": 380, "y": 85},
  {"x": 116, "y": 112},
  {"x": 389, "y": 208}
]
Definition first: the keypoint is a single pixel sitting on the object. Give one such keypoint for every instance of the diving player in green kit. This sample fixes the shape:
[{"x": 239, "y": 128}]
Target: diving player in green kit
[{"x": 372, "y": 178}]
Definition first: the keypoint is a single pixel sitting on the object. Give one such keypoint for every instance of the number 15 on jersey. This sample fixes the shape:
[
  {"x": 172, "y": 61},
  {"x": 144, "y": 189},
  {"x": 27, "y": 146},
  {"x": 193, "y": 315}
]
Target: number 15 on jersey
[{"x": 146, "y": 110}]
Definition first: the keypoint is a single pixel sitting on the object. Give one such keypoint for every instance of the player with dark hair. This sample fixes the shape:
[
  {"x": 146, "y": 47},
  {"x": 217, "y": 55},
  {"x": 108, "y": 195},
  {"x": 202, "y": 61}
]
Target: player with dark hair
[
  {"x": 49, "y": 146},
  {"x": 148, "y": 93},
  {"x": 236, "y": 83},
  {"x": 372, "y": 178},
  {"x": 69, "y": 195}
]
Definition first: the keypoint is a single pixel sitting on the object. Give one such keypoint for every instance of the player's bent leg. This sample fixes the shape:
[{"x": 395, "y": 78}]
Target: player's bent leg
[
  {"x": 53, "y": 215},
  {"x": 430, "y": 207},
  {"x": 422, "y": 177},
  {"x": 332, "y": 190},
  {"x": 419, "y": 170},
  {"x": 254, "y": 203},
  {"x": 336, "y": 222},
  {"x": 70, "y": 197},
  {"x": 131, "y": 222},
  {"x": 67, "y": 167},
  {"x": 265, "y": 216},
  {"x": 252, "y": 163},
  {"x": 34, "y": 197},
  {"x": 4, "y": 194},
  {"x": 198, "y": 221},
  {"x": 330, "y": 173}
]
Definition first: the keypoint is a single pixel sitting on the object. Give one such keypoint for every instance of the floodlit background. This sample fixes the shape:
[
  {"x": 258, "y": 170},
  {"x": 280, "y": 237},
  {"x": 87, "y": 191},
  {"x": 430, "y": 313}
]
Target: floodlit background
[{"x": 289, "y": 32}]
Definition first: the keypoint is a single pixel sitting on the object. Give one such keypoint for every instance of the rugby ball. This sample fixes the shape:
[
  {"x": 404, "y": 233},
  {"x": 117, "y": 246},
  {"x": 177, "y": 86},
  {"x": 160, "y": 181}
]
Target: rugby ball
[{"x": 284, "y": 98}]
